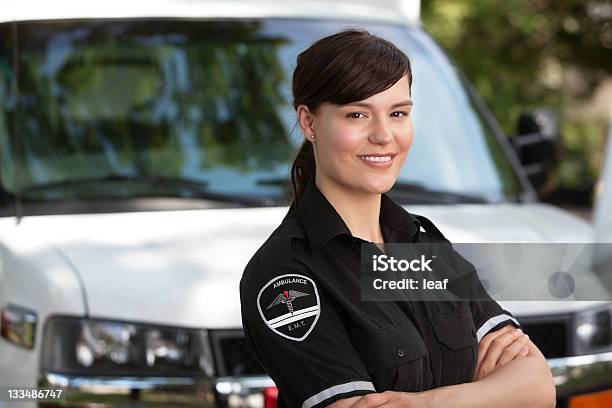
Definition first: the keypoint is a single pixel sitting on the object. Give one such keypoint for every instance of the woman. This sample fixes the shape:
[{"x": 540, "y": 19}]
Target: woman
[{"x": 300, "y": 293}]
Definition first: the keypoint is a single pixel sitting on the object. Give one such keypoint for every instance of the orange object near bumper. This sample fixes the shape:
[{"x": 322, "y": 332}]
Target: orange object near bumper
[{"x": 596, "y": 400}]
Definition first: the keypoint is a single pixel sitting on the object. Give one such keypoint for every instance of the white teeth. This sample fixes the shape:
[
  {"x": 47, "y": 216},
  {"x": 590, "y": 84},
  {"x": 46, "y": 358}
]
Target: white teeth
[{"x": 376, "y": 158}]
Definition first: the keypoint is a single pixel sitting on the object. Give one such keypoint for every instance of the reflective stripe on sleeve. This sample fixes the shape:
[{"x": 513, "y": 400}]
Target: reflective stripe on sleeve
[
  {"x": 491, "y": 323},
  {"x": 336, "y": 390}
]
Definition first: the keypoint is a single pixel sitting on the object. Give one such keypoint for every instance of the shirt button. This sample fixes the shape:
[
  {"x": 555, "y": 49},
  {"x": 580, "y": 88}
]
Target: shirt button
[{"x": 400, "y": 352}]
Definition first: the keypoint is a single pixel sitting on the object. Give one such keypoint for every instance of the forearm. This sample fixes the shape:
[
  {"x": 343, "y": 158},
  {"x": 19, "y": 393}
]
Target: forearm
[{"x": 525, "y": 382}]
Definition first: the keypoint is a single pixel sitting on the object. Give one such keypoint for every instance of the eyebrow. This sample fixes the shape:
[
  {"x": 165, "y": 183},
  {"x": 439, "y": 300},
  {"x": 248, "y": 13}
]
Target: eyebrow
[{"x": 367, "y": 105}]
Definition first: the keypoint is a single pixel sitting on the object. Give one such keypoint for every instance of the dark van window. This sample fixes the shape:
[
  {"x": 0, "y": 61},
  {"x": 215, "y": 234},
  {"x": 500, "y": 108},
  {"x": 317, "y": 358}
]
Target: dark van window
[
  {"x": 8, "y": 103},
  {"x": 185, "y": 108}
]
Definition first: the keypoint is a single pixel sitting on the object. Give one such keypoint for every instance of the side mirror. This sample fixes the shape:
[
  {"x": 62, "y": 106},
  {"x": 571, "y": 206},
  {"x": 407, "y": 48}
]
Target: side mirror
[{"x": 537, "y": 143}]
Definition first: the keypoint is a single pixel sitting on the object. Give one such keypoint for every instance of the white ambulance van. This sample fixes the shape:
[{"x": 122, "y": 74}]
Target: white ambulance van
[{"x": 145, "y": 149}]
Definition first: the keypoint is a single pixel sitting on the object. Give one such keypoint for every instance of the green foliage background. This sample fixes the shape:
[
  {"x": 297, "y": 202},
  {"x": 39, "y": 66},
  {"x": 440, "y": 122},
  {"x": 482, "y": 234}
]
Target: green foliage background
[{"x": 523, "y": 54}]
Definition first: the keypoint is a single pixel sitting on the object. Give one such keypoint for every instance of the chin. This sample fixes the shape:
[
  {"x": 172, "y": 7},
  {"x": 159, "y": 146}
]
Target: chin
[{"x": 378, "y": 187}]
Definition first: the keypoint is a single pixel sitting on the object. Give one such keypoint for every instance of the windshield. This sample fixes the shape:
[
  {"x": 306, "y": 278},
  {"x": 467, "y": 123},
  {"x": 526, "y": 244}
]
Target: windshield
[{"x": 210, "y": 102}]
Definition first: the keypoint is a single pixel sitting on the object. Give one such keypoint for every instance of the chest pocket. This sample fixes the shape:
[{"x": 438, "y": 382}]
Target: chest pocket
[
  {"x": 455, "y": 331},
  {"x": 396, "y": 358}
]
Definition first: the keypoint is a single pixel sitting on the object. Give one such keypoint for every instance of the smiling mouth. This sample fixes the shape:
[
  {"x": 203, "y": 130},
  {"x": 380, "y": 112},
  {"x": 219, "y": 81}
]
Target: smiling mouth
[{"x": 377, "y": 158}]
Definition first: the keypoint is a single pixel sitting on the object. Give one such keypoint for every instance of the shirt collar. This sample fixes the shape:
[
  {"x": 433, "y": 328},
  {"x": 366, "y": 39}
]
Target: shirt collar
[{"x": 322, "y": 222}]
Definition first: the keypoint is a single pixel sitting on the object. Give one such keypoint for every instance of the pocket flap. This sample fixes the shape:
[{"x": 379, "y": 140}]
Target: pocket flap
[
  {"x": 455, "y": 329},
  {"x": 386, "y": 348}
]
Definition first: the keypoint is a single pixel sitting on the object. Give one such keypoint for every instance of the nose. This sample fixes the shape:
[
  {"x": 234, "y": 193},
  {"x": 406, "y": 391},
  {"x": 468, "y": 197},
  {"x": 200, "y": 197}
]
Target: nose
[{"x": 381, "y": 133}]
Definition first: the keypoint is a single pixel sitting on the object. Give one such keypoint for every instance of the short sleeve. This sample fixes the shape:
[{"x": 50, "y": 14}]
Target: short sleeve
[
  {"x": 487, "y": 313},
  {"x": 294, "y": 330}
]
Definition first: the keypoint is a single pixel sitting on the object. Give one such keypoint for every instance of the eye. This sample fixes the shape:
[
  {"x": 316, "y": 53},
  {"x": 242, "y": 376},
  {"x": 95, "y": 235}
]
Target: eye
[
  {"x": 404, "y": 113},
  {"x": 352, "y": 115}
]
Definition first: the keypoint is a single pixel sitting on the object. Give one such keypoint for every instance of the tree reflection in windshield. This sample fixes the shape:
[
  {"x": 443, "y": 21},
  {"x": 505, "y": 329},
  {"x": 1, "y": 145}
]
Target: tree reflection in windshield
[
  {"x": 210, "y": 101},
  {"x": 139, "y": 98}
]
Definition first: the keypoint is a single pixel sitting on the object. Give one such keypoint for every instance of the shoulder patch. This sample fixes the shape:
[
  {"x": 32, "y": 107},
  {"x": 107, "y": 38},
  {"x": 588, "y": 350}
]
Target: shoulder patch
[{"x": 289, "y": 305}]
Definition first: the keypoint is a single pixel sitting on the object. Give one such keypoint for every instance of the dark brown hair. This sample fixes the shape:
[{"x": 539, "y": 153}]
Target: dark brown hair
[{"x": 345, "y": 67}]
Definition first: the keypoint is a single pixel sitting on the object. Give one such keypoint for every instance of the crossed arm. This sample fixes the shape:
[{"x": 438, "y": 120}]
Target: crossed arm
[{"x": 510, "y": 372}]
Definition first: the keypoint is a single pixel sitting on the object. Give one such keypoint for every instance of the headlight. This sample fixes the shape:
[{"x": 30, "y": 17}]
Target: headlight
[
  {"x": 593, "y": 330},
  {"x": 102, "y": 347},
  {"x": 18, "y": 325}
]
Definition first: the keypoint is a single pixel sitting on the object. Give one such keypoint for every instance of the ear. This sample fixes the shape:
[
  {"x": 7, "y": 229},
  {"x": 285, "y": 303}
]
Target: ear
[{"x": 306, "y": 120}]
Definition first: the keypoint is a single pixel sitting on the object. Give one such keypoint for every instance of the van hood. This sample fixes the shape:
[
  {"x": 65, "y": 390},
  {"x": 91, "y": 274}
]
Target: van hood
[{"x": 182, "y": 268}]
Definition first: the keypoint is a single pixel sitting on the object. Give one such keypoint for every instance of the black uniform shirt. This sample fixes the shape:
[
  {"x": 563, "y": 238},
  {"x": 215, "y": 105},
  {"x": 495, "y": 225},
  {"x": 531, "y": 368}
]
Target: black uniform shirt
[{"x": 304, "y": 320}]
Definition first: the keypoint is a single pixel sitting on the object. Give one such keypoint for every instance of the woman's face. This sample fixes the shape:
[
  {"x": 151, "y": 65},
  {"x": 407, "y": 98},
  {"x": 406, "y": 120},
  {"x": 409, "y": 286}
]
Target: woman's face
[{"x": 362, "y": 146}]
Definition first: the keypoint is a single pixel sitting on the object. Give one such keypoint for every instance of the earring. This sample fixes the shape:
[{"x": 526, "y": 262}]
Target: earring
[{"x": 312, "y": 136}]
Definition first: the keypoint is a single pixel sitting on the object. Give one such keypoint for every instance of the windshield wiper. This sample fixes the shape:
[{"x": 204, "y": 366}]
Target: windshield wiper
[
  {"x": 196, "y": 187},
  {"x": 407, "y": 193},
  {"x": 413, "y": 193},
  {"x": 274, "y": 181}
]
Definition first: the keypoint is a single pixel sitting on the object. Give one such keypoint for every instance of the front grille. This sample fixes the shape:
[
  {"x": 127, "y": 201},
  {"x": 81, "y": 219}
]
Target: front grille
[
  {"x": 551, "y": 337},
  {"x": 232, "y": 355}
]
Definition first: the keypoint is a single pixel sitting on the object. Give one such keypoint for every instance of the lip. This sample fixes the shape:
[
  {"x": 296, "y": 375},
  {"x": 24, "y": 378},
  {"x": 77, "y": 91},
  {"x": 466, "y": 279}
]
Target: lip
[{"x": 377, "y": 164}]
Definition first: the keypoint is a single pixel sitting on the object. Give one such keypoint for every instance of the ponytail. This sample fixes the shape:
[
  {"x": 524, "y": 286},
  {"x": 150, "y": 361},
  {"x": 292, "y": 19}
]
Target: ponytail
[{"x": 302, "y": 171}]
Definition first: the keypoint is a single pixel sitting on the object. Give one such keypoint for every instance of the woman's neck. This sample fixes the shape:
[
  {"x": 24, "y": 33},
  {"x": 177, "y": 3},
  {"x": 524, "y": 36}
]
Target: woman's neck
[{"x": 359, "y": 211}]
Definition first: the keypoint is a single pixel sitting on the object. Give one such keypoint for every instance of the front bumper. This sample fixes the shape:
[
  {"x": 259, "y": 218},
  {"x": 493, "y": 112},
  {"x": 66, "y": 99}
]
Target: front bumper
[
  {"x": 581, "y": 374},
  {"x": 572, "y": 375},
  {"x": 82, "y": 391}
]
